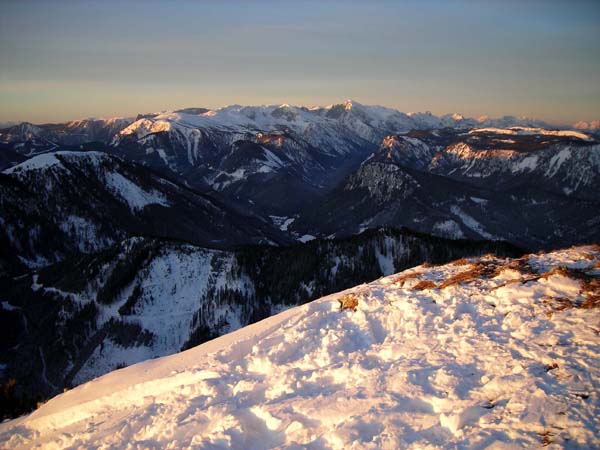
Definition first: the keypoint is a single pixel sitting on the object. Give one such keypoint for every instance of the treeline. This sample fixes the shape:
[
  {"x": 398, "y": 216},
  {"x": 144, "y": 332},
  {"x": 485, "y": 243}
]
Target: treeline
[{"x": 296, "y": 274}]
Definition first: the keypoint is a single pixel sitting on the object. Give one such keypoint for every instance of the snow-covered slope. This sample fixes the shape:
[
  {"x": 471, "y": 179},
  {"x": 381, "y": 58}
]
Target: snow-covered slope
[
  {"x": 480, "y": 353},
  {"x": 315, "y": 146},
  {"x": 565, "y": 161},
  {"x": 61, "y": 202},
  {"x": 293, "y": 161},
  {"x": 329, "y": 127},
  {"x": 239, "y": 149},
  {"x": 535, "y": 188},
  {"x": 145, "y": 298}
]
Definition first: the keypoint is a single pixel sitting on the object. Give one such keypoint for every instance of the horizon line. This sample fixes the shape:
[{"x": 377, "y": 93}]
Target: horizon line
[{"x": 481, "y": 117}]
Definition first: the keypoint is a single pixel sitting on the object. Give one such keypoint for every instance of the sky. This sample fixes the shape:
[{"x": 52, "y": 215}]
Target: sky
[{"x": 63, "y": 60}]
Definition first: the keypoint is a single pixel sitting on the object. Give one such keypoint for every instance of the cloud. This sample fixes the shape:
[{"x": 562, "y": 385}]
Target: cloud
[{"x": 593, "y": 125}]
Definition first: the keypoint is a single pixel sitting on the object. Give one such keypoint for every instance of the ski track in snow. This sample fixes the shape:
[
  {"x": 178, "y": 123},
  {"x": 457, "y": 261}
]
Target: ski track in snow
[{"x": 483, "y": 365}]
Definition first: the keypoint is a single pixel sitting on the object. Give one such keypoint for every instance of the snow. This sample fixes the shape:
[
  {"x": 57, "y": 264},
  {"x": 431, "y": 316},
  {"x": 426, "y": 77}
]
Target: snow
[
  {"x": 272, "y": 160},
  {"x": 38, "y": 162},
  {"x": 568, "y": 133},
  {"x": 557, "y": 161},
  {"x": 385, "y": 257},
  {"x": 47, "y": 160},
  {"x": 448, "y": 228},
  {"x": 132, "y": 194},
  {"x": 166, "y": 305},
  {"x": 84, "y": 231},
  {"x": 317, "y": 125},
  {"x": 519, "y": 130},
  {"x": 487, "y": 364},
  {"x": 143, "y": 127},
  {"x": 479, "y": 201},
  {"x": 471, "y": 223},
  {"x": 284, "y": 226},
  {"x": 386, "y": 263},
  {"x": 8, "y": 307},
  {"x": 493, "y": 130},
  {"x": 528, "y": 163},
  {"x": 283, "y": 222},
  {"x": 306, "y": 238}
]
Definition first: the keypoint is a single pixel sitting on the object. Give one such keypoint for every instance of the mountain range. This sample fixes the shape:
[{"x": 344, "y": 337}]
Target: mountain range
[
  {"x": 334, "y": 171},
  {"x": 133, "y": 238}
]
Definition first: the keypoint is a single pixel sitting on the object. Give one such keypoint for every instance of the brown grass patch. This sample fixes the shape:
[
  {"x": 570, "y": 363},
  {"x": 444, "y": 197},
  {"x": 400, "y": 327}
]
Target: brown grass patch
[
  {"x": 562, "y": 270},
  {"x": 546, "y": 437},
  {"x": 522, "y": 266},
  {"x": 460, "y": 262},
  {"x": 404, "y": 278},
  {"x": 419, "y": 286},
  {"x": 591, "y": 302},
  {"x": 531, "y": 275},
  {"x": 348, "y": 301},
  {"x": 590, "y": 284},
  {"x": 520, "y": 280},
  {"x": 590, "y": 289},
  {"x": 558, "y": 303},
  {"x": 476, "y": 272},
  {"x": 424, "y": 284}
]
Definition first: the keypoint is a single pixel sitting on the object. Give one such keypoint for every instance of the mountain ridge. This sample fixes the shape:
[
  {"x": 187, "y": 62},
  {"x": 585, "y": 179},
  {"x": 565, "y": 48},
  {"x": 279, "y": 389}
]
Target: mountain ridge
[
  {"x": 482, "y": 351},
  {"x": 448, "y": 118}
]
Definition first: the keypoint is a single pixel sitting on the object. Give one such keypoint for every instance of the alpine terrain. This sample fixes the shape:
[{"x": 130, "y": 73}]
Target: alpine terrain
[
  {"x": 128, "y": 239},
  {"x": 483, "y": 352},
  {"x": 204, "y": 246}
]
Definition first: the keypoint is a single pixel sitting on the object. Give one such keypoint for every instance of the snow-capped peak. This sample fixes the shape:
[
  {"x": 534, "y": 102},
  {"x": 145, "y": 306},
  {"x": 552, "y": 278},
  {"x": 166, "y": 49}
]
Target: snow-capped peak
[
  {"x": 457, "y": 116},
  {"x": 521, "y": 130},
  {"x": 145, "y": 126}
]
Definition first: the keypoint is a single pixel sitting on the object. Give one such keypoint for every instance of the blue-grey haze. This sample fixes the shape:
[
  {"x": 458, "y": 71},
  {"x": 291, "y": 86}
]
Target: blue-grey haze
[{"x": 70, "y": 59}]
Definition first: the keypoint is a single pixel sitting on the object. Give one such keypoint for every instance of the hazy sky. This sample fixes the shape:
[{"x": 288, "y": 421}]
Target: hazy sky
[{"x": 71, "y": 59}]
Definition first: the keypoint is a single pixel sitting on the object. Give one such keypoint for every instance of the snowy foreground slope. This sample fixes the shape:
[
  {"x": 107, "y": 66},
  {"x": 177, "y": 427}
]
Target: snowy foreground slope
[{"x": 482, "y": 353}]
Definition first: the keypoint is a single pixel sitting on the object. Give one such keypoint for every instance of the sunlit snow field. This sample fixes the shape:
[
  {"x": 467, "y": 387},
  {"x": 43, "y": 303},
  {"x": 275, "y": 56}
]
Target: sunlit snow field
[{"x": 495, "y": 355}]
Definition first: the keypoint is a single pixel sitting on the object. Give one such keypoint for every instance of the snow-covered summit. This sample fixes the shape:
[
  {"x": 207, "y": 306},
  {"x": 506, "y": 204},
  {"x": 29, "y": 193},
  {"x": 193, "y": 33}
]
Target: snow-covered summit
[
  {"x": 479, "y": 353},
  {"x": 48, "y": 160},
  {"x": 369, "y": 121},
  {"x": 524, "y": 131}
]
